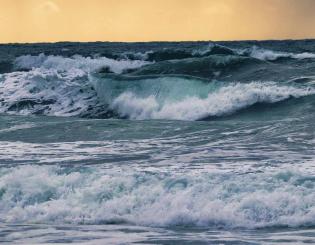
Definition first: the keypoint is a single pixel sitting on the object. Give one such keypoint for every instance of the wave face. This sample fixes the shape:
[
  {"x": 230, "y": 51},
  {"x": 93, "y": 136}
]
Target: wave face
[
  {"x": 205, "y": 100},
  {"x": 176, "y": 84},
  {"x": 50, "y": 195}
]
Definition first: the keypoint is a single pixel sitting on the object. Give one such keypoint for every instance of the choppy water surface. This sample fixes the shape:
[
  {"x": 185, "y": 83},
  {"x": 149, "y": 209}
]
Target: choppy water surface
[{"x": 175, "y": 143}]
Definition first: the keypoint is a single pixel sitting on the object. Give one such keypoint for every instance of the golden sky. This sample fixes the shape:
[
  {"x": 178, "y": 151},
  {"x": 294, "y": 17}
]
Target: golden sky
[{"x": 155, "y": 20}]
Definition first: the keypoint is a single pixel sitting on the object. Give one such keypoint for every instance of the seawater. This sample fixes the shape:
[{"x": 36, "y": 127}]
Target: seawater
[{"x": 157, "y": 143}]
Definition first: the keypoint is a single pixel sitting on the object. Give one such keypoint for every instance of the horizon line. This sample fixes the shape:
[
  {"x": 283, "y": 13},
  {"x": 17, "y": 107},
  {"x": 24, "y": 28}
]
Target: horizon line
[{"x": 164, "y": 41}]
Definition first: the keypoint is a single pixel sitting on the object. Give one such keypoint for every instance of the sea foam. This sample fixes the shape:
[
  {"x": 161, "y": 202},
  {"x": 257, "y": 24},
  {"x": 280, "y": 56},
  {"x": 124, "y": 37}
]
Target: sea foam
[
  {"x": 51, "y": 195},
  {"x": 76, "y": 63},
  {"x": 271, "y": 55},
  {"x": 222, "y": 101}
]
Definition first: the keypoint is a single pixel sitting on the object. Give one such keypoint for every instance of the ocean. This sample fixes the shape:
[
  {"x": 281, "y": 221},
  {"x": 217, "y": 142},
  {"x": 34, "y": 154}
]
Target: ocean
[{"x": 157, "y": 143}]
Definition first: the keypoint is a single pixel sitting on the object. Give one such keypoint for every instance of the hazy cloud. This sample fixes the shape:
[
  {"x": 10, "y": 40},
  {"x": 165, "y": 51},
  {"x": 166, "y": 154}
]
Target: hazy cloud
[{"x": 48, "y": 7}]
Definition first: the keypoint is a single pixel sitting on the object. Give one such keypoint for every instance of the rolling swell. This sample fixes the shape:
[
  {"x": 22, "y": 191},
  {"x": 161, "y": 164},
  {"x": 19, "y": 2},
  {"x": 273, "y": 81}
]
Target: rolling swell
[
  {"x": 208, "y": 67},
  {"x": 178, "y": 53},
  {"x": 254, "y": 51}
]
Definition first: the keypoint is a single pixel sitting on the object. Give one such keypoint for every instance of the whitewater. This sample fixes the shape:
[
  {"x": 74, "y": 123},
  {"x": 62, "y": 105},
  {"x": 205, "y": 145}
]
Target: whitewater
[{"x": 157, "y": 143}]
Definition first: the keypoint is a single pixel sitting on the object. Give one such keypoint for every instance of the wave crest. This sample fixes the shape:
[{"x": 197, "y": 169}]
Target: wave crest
[
  {"x": 76, "y": 63},
  {"x": 270, "y": 55}
]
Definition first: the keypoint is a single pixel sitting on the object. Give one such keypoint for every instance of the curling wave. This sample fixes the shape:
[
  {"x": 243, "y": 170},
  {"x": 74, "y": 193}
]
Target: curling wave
[{"x": 193, "y": 101}]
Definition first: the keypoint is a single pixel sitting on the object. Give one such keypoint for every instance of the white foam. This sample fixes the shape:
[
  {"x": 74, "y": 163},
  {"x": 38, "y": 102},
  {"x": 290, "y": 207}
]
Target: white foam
[
  {"x": 49, "y": 92},
  {"x": 265, "y": 54},
  {"x": 55, "y": 85},
  {"x": 49, "y": 195},
  {"x": 17, "y": 127},
  {"x": 76, "y": 62}
]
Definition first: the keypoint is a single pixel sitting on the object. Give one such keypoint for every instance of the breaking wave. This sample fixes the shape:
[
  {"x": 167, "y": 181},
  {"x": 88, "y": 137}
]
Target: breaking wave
[
  {"x": 76, "y": 63},
  {"x": 135, "y": 89},
  {"x": 59, "y": 93},
  {"x": 223, "y": 100},
  {"x": 43, "y": 194},
  {"x": 270, "y": 55}
]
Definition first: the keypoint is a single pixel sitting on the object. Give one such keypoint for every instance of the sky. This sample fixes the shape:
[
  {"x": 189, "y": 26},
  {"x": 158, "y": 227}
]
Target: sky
[{"x": 155, "y": 20}]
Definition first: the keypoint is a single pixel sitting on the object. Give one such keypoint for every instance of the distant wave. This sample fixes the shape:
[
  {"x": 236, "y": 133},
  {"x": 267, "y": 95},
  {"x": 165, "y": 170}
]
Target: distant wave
[
  {"x": 266, "y": 54},
  {"x": 216, "y": 49},
  {"x": 210, "y": 67},
  {"x": 175, "y": 54},
  {"x": 76, "y": 63}
]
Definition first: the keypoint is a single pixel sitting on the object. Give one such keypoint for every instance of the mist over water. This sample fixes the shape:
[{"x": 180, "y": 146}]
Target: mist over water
[{"x": 158, "y": 143}]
